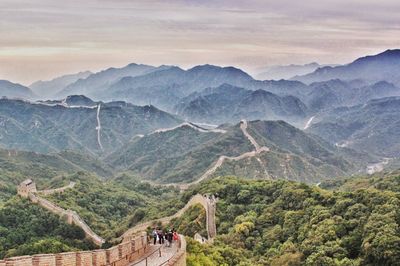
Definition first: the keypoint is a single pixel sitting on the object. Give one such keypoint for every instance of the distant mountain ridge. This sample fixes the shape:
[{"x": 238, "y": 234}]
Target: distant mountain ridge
[
  {"x": 52, "y": 87},
  {"x": 228, "y": 103},
  {"x": 15, "y": 90},
  {"x": 166, "y": 86},
  {"x": 335, "y": 93},
  {"x": 278, "y": 72},
  {"x": 101, "y": 80},
  {"x": 51, "y": 127},
  {"x": 183, "y": 154},
  {"x": 374, "y": 68},
  {"x": 373, "y": 127}
]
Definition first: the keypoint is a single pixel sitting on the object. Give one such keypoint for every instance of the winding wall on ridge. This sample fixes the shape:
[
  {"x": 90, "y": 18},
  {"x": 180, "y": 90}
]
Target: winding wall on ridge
[
  {"x": 208, "y": 203},
  {"x": 71, "y": 216}
]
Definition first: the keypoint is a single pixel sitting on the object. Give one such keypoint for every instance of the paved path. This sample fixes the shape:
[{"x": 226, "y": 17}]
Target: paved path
[
  {"x": 308, "y": 124},
  {"x": 154, "y": 259},
  {"x": 56, "y": 190},
  {"x": 222, "y": 158},
  {"x": 98, "y": 127}
]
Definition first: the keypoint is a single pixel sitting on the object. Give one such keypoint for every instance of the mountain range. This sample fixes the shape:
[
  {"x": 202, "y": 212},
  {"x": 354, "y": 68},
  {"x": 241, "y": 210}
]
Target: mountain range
[
  {"x": 14, "y": 90},
  {"x": 95, "y": 129},
  {"x": 120, "y": 116},
  {"x": 228, "y": 103},
  {"x": 278, "y": 72},
  {"x": 185, "y": 153},
  {"x": 373, "y": 127},
  {"x": 372, "y": 69},
  {"x": 50, "y": 88}
]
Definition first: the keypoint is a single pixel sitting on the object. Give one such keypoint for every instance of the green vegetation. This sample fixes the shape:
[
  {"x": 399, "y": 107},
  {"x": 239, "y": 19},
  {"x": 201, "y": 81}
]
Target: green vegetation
[
  {"x": 26, "y": 229},
  {"x": 16, "y": 166},
  {"x": 288, "y": 223},
  {"x": 352, "y": 221},
  {"x": 111, "y": 207},
  {"x": 179, "y": 155},
  {"x": 382, "y": 181},
  {"x": 192, "y": 222}
]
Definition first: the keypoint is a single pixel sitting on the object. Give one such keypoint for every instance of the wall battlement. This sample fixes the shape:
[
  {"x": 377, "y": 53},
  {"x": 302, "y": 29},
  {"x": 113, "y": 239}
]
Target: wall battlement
[{"x": 120, "y": 255}]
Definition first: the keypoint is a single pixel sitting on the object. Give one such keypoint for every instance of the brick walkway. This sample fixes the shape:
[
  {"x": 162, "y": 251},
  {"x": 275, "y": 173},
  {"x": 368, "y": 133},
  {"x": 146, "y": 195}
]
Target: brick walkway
[{"x": 154, "y": 259}]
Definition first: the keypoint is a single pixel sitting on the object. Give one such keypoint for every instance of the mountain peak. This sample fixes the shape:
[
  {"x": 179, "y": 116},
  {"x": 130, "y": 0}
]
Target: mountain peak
[
  {"x": 371, "y": 69},
  {"x": 390, "y": 52}
]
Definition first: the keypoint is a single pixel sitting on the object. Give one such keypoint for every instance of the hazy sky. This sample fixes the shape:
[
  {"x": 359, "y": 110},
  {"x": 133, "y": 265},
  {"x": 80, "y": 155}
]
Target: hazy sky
[{"x": 40, "y": 39}]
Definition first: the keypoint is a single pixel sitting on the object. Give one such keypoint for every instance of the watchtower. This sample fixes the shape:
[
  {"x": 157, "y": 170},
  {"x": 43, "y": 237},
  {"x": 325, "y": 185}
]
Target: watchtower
[{"x": 26, "y": 187}]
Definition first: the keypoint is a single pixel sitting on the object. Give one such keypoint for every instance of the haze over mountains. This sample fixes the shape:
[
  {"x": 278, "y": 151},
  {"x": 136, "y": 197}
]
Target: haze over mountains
[
  {"x": 349, "y": 114},
  {"x": 380, "y": 67},
  {"x": 286, "y": 72}
]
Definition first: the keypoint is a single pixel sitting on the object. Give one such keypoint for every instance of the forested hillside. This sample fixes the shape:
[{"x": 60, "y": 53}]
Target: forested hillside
[
  {"x": 27, "y": 229},
  {"x": 288, "y": 223},
  {"x": 111, "y": 207}
]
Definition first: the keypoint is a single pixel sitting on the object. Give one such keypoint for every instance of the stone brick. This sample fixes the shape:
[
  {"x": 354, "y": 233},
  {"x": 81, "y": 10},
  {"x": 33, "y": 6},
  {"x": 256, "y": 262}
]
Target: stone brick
[
  {"x": 112, "y": 254},
  {"x": 66, "y": 259},
  {"x": 44, "y": 260},
  {"x": 19, "y": 261},
  {"x": 84, "y": 258},
  {"x": 124, "y": 249},
  {"x": 99, "y": 257}
]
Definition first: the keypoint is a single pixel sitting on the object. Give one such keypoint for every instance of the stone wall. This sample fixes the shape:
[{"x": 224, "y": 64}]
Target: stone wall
[
  {"x": 44, "y": 260},
  {"x": 56, "y": 190},
  {"x": 120, "y": 255},
  {"x": 209, "y": 204},
  {"x": 20, "y": 261},
  {"x": 27, "y": 189}
]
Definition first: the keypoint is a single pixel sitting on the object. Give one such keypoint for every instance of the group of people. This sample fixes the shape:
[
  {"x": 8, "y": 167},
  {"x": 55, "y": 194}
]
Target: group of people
[{"x": 162, "y": 236}]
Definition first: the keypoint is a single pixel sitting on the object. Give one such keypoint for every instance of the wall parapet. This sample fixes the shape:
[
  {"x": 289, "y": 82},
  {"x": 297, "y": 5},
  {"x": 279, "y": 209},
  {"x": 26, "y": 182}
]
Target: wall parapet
[{"x": 119, "y": 255}]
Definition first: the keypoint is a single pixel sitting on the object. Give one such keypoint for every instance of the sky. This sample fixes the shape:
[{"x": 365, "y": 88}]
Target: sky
[{"x": 42, "y": 39}]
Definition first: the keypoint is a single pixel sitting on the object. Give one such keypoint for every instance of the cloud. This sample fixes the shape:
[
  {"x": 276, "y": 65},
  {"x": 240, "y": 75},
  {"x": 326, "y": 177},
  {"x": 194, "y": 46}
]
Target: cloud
[{"x": 187, "y": 32}]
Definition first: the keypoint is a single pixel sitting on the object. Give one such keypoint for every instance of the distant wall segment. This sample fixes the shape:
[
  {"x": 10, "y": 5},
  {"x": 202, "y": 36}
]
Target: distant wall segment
[{"x": 27, "y": 189}]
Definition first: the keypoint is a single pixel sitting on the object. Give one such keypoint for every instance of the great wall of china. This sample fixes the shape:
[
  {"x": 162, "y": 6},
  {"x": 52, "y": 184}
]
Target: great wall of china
[
  {"x": 134, "y": 249},
  {"x": 207, "y": 201},
  {"x": 27, "y": 189},
  {"x": 124, "y": 254}
]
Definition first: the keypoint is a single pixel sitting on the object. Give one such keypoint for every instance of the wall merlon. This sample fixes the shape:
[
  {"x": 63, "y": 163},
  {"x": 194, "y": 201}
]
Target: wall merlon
[
  {"x": 84, "y": 258},
  {"x": 112, "y": 255},
  {"x": 99, "y": 257}
]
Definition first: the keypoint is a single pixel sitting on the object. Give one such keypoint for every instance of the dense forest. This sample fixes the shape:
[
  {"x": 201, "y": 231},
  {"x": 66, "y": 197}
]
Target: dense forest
[
  {"x": 352, "y": 221},
  {"x": 26, "y": 228},
  {"x": 288, "y": 223},
  {"x": 111, "y": 207}
]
